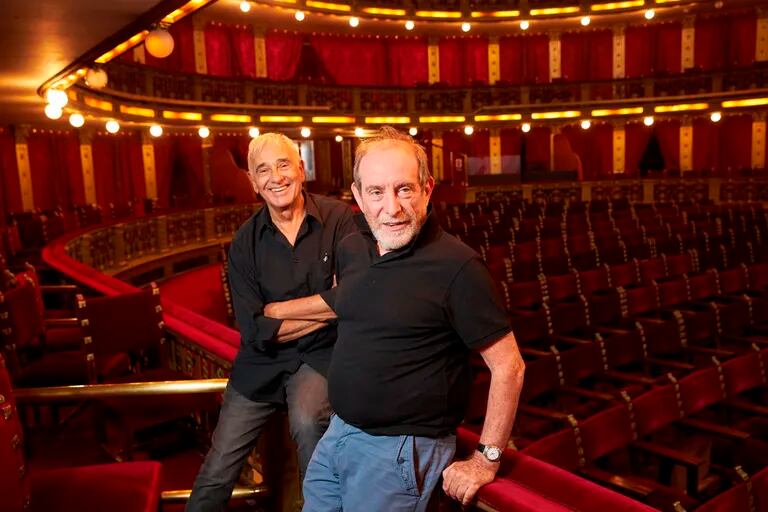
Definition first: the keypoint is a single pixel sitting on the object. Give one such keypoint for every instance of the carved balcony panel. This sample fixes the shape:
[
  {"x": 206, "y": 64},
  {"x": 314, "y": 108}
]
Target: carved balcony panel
[{"x": 383, "y": 100}]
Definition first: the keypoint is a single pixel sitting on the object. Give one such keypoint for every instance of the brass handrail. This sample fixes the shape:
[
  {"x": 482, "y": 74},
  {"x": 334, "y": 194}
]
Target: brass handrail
[
  {"x": 239, "y": 492},
  {"x": 128, "y": 389}
]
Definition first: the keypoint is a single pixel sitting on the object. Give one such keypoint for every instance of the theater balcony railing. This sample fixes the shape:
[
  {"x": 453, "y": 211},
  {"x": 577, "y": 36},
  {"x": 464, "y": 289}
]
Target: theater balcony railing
[{"x": 142, "y": 93}]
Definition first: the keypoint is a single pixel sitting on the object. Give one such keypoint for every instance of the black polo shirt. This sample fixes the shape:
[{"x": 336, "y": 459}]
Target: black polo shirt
[
  {"x": 264, "y": 268},
  {"x": 406, "y": 323}
]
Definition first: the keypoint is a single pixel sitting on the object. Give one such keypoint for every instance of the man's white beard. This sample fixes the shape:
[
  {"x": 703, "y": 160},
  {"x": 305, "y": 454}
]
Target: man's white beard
[{"x": 395, "y": 241}]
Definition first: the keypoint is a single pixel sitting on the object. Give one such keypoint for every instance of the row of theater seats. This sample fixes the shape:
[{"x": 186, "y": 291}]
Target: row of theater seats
[{"x": 665, "y": 301}]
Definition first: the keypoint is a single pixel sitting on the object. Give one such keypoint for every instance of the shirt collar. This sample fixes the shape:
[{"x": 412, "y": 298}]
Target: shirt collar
[
  {"x": 427, "y": 233},
  {"x": 264, "y": 219}
]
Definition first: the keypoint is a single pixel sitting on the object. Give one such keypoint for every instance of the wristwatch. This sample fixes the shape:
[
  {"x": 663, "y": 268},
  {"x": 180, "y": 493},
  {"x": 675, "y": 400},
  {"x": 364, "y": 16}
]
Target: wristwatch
[{"x": 490, "y": 452}]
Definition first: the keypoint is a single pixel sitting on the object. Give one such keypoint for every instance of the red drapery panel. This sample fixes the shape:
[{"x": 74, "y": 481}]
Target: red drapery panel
[
  {"x": 451, "y": 62},
  {"x": 640, "y": 51},
  {"x": 229, "y": 50},
  {"x": 187, "y": 181},
  {"x": 511, "y": 142},
  {"x": 709, "y": 46},
  {"x": 283, "y": 50},
  {"x": 479, "y": 152},
  {"x": 10, "y": 191},
  {"x": 705, "y": 145},
  {"x": 594, "y": 147},
  {"x": 229, "y": 179},
  {"x": 463, "y": 60},
  {"x": 536, "y": 55},
  {"x": 511, "y": 59},
  {"x": 182, "y": 59},
  {"x": 408, "y": 61},
  {"x": 587, "y": 55},
  {"x": 668, "y": 133},
  {"x": 668, "y": 45},
  {"x": 741, "y": 40},
  {"x": 475, "y": 60},
  {"x": 636, "y": 137},
  {"x": 352, "y": 60},
  {"x": 454, "y": 148},
  {"x": 537, "y": 154},
  {"x": 735, "y": 143},
  {"x": 57, "y": 176},
  {"x": 163, "y": 170},
  {"x": 118, "y": 168}
]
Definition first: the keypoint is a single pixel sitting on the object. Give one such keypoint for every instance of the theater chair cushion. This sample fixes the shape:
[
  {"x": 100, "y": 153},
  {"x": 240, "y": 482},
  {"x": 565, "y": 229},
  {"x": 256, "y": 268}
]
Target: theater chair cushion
[
  {"x": 68, "y": 368},
  {"x": 123, "y": 487},
  {"x": 63, "y": 338}
]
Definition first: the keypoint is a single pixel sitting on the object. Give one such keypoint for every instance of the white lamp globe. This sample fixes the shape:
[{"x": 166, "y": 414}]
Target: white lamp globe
[
  {"x": 96, "y": 78},
  {"x": 159, "y": 43}
]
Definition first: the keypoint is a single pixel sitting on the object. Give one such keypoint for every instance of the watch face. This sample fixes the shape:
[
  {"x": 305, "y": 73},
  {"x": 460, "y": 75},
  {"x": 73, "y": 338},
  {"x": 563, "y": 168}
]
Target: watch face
[{"x": 493, "y": 453}]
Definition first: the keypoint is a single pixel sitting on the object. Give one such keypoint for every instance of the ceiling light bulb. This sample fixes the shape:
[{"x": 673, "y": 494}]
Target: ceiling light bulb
[
  {"x": 96, "y": 78},
  {"x": 203, "y": 132},
  {"x": 354, "y": 21},
  {"x": 253, "y": 132},
  {"x": 469, "y": 129},
  {"x": 648, "y": 120},
  {"x": 245, "y": 6},
  {"x": 338, "y": 138},
  {"x": 524, "y": 25},
  {"x": 159, "y": 43},
  {"x": 526, "y": 127},
  {"x": 359, "y": 132},
  {"x": 52, "y": 111},
  {"x": 466, "y": 27},
  {"x": 413, "y": 131},
  {"x": 112, "y": 126},
  {"x": 57, "y": 97},
  {"x": 585, "y": 21},
  {"x": 156, "y": 130},
  {"x": 77, "y": 120},
  {"x": 715, "y": 116},
  {"x": 585, "y": 124},
  {"x": 649, "y": 14},
  {"x": 306, "y": 132},
  {"x": 299, "y": 16},
  {"x": 409, "y": 25}
]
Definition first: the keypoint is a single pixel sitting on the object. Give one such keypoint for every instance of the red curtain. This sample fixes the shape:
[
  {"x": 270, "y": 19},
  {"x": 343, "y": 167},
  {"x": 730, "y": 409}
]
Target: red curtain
[
  {"x": 594, "y": 147},
  {"x": 636, "y": 136},
  {"x": 536, "y": 59},
  {"x": 639, "y": 51},
  {"x": 705, "y": 145},
  {"x": 163, "y": 170},
  {"x": 229, "y": 50},
  {"x": 537, "y": 154},
  {"x": 182, "y": 59},
  {"x": 352, "y": 60},
  {"x": 735, "y": 143},
  {"x": 118, "y": 168},
  {"x": 283, "y": 51},
  {"x": 511, "y": 59},
  {"x": 479, "y": 152},
  {"x": 187, "y": 180},
  {"x": 475, "y": 60},
  {"x": 587, "y": 55},
  {"x": 408, "y": 61},
  {"x": 10, "y": 191},
  {"x": 709, "y": 44},
  {"x": 511, "y": 142},
  {"x": 57, "y": 176},
  {"x": 741, "y": 40},
  {"x": 668, "y": 133},
  {"x": 455, "y": 148},
  {"x": 668, "y": 46},
  {"x": 463, "y": 60},
  {"x": 229, "y": 179}
]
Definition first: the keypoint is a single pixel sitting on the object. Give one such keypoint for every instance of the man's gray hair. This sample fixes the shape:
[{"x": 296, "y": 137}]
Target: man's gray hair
[
  {"x": 390, "y": 136},
  {"x": 257, "y": 145}
]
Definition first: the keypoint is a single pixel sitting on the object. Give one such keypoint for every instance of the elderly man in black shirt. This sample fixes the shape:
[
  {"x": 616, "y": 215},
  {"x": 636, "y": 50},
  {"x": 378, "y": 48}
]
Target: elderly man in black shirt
[
  {"x": 284, "y": 251},
  {"x": 412, "y": 301}
]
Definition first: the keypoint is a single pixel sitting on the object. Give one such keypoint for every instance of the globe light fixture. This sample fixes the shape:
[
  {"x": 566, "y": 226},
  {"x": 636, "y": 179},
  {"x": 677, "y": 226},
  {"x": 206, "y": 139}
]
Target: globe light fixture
[
  {"x": 715, "y": 117},
  {"x": 648, "y": 120},
  {"x": 253, "y": 132},
  {"x": 57, "y": 97},
  {"x": 524, "y": 25},
  {"x": 159, "y": 43},
  {"x": 466, "y": 27},
  {"x": 112, "y": 126},
  {"x": 469, "y": 129},
  {"x": 203, "y": 132},
  {"x": 306, "y": 132},
  {"x": 585, "y": 21},
  {"x": 585, "y": 124},
  {"x": 338, "y": 138},
  {"x": 649, "y": 14},
  {"x": 409, "y": 25},
  {"x": 299, "y": 15},
  {"x": 526, "y": 127},
  {"x": 359, "y": 132},
  {"x": 156, "y": 130},
  {"x": 53, "y": 112},
  {"x": 96, "y": 78},
  {"x": 354, "y": 21},
  {"x": 76, "y": 120},
  {"x": 412, "y": 131},
  {"x": 245, "y": 6}
]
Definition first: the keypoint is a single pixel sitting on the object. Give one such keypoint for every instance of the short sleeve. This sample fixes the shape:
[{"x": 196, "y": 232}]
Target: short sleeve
[{"x": 475, "y": 308}]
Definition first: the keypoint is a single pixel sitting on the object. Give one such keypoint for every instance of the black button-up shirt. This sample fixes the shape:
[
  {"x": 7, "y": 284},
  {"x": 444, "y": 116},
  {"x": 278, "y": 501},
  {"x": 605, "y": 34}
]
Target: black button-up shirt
[
  {"x": 264, "y": 268},
  {"x": 407, "y": 321}
]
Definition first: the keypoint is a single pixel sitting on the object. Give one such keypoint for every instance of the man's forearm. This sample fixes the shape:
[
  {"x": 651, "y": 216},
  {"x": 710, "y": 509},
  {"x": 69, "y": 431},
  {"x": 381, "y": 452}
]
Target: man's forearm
[
  {"x": 312, "y": 308},
  {"x": 294, "y": 329},
  {"x": 503, "y": 399}
]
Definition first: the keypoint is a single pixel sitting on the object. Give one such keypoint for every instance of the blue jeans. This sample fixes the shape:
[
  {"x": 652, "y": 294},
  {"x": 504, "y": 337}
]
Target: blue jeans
[
  {"x": 238, "y": 428},
  {"x": 355, "y": 471}
]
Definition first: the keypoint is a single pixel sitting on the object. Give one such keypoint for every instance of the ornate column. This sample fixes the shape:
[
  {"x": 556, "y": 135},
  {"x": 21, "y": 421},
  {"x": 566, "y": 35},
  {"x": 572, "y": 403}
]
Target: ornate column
[
  {"x": 139, "y": 55},
  {"x": 198, "y": 39},
  {"x": 433, "y": 60},
  {"x": 619, "y": 147},
  {"x": 86, "y": 162},
  {"x": 207, "y": 144},
  {"x": 347, "y": 162},
  {"x": 686, "y": 144},
  {"x": 554, "y": 56},
  {"x": 619, "y": 52},
  {"x": 150, "y": 173},
  {"x": 495, "y": 143},
  {"x": 758, "y": 140},
  {"x": 437, "y": 156},
  {"x": 260, "y": 51},
  {"x": 761, "y": 44},
  {"x": 494, "y": 61},
  {"x": 688, "y": 43},
  {"x": 22, "y": 165}
]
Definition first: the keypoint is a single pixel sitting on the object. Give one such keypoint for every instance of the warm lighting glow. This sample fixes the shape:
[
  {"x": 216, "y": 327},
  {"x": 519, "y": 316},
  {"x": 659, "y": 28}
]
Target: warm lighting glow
[
  {"x": 556, "y": 115},
  {"x": 97, "y": 103},
  {"x": 498, "y": 117},
  {"x": 231, "y": 118},
  {"x": 299, "y": 15},
  {"x": 281, "y": 119},
  {"x": 137, "y": 111},
  {"x": 554, "y": 10},
  {"x": 387, "y": 120},
  {"x": 96, "y": 78},
  {"x": 466, "y": 27},
  {"x": 182, "y": 116},
  {"x": 715, "y": 117},
  {"x": 253, "y": 132},
  {"x": 751, "y": 102},
  {"x": 603, "y": 112},
  {"x": 306, "y": 132},
  {"x": 648, "y": 120},
  {"x": 649, "y": 14},
  {"x": 330, "y": 6},
  {"x": 57, "y": 97},
  {"x": 524, "y": 25},
  {"x": 409, "y": 25},
  {"x": 185, "y": 9},
  {"x": 442, "y": 119},
  {"x": 156, "y": 130},
  {"x": 683, "y": 107},
  {"x": 159, "y": 43},
  {"x": 122, "y": 47},
  {"x": 77, "y": 120},
  {"x": 52, "y": 111},
  {"x": 203, "y": 132},
  {"x": 333, "y": 119},
  {"x": 585, "y": 124},
  {"x": 495, "y": 14},
  {"x": 438, "y": 14},
  {"x": 354, "y": 21},
  {"x": 526, "y": 127},
  {"x": 359, "y": 132},
  {"x": 245, "y": 6},
  {"x": 412, "y": 131},
  {"x": 385, "y": 11},
  {"x": 469, "y": 129},
  {"x": 617, "y": 5},
  {"x": 585, "y": 21},
  {"x": 338, "y": 138},
  {"x": 112, "y": 126}
]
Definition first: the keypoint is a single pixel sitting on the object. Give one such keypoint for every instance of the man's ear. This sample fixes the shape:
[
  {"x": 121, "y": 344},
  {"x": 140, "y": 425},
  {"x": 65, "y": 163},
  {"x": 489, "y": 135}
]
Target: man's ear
[
  {"x": 252, "y": 180},
  {"x": 357, "y": 195}
]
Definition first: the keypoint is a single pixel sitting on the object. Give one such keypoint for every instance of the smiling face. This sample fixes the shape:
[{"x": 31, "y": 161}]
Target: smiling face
[
  {"x": 390, "y": 196},
  {"x": 277, "y": 174}
]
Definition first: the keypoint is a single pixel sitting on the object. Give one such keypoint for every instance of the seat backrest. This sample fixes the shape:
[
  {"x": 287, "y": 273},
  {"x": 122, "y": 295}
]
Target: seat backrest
[
  {"x": 14, "y": 479},
  {"x": 656, "y": 409},
  {"x": 625, "y": 274},
  {"x": 605, "y": 432},
  {"x": 21, "y": 315},
  {"x": 745, "y": 372},
  {"x": 701, "y": 389}
]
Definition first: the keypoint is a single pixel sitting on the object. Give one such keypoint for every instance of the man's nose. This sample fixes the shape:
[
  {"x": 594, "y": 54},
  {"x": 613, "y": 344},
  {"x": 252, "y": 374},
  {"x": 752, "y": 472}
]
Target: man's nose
[{"x": 392, "y": 205}]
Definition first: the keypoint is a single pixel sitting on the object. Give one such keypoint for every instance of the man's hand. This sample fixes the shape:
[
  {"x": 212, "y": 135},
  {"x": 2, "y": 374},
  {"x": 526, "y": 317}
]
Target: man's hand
[
  {"x": 462, "y": 479},
  {"x": 272, "y": 310}
]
